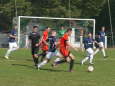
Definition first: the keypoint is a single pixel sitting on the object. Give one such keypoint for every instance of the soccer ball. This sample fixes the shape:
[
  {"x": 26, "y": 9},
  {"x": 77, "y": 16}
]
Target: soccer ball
[{"x": 90, "y": 68}]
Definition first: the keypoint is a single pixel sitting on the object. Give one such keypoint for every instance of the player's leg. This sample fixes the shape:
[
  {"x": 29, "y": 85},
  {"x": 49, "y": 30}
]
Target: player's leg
[
  {"x": 43, "y": 55},
  {"x": 71, "y": 62},
  {"x": 96, "y": 51},
  {"x": 101, "y": 44},
  {"x": 91, "y": 53},
  {"x": 9, "y": 51},
  {"x": 15, "y": 46},
  {"x": 86, "y": 58},
  {"x": 46, "y": 60},
  {"x": 59, "y": 60},
  {"x": 35, "y": 55}
]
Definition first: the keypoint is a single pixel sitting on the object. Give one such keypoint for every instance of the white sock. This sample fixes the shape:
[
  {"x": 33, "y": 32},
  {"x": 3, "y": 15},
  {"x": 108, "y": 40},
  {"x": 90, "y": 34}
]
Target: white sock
[
  {"x": 8, "y": 52},
  {"x": 103, "y": 51},
  {"x": 42, "y": 63},
  {"x": 96, "y": 51},
  {"x": 84, "y": 60},
  {"x": 91, "y": 59},
  {"x": 57, "y": 59}
]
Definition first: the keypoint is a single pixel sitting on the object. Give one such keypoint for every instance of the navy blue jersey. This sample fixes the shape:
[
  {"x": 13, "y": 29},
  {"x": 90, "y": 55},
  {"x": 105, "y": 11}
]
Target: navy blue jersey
[
  {"x": 13, "y": 33},
  {"x": 102, "y": 36},
  {"x": 34, "y": 37},
  {"x": 99, "y": 39},
  {"x": 52, "y": 40},
  {"x": 88, "y": 43}
]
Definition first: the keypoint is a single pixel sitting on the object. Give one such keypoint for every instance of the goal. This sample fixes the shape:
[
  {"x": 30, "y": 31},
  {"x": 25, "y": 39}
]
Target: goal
[{"x": 79, "y": 27}]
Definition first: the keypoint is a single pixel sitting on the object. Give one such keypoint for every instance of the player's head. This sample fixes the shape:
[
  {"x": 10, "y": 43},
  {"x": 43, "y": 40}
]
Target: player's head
[
  {"x": 48, "y": 29},
  {"x": 103, "y": 29},
  {"x": 89, "y": 34},
  {"x": 35, "y": 28},
  {"x": 53, "y": 33},
  {"x": 62, "y": 27},
  {"x": 69, "y": 31},
  {"x": 15, "y": 27}
]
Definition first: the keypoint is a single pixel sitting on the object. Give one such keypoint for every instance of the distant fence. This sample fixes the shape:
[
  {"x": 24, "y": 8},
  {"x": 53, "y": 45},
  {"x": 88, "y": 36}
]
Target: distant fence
[{"x": 3, "y": 40}]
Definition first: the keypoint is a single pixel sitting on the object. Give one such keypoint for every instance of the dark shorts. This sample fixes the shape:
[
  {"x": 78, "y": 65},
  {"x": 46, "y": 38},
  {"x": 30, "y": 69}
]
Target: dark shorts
[
  {"x": 34, "y": 50},
  {"x": 96, "y": 45}
]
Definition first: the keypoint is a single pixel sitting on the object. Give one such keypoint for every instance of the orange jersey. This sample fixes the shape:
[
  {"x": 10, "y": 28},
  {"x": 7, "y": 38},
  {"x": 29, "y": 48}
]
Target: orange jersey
[
  {"x": 63, "y": 45},
  {"x": 45, "y": 37},
  {"x": 63, "y": 40}
]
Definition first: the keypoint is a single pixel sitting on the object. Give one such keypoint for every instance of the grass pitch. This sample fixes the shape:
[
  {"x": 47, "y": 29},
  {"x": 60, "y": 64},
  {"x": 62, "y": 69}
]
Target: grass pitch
[{"x": 19, "y": 71}]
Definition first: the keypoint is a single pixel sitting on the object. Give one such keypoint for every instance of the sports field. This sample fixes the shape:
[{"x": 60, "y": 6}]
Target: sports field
[{"x": 19, "y": 71}]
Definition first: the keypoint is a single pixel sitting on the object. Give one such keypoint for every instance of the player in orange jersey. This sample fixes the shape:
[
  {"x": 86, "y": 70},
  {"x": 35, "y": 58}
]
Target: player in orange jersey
[{"x": 65, "y": 54}]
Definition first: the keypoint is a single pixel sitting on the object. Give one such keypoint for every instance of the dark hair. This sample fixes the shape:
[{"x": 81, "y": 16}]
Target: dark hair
[
  {"x": 35, "y": 27},
  {"x": 69, "y": 29},
  {"x": 89, "y": 33},
  {"x": 46, "y": 27}
]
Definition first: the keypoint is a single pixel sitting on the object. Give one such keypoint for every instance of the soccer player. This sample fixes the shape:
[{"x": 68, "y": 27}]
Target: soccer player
[
  {"x": 52, "y": 49},
  {"x": 61, "y": 31},
  {"x": 101, "y": 41},
  {"x": 88, "y": 45},
  {"x": 12, "y": 42},
  {"x": 65, "y": 54},
  {"x": 34, "y": 37},
  {"x": 43, "y": 43}
]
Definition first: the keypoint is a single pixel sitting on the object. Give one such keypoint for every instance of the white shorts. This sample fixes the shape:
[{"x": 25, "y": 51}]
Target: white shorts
[
  {"x": 101, "y": 44},
  {"x": 89, "y": 51},
  {"x": 13, "y": 45},
  {"x": 51, "y": 54}
]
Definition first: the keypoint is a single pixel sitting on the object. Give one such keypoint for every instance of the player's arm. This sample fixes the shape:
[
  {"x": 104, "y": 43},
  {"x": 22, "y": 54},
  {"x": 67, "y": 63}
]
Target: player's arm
[
  {"x": 41, "y": 40},
  {"x": 12, "y": 36},
  {"x": 71, "y": 46}
]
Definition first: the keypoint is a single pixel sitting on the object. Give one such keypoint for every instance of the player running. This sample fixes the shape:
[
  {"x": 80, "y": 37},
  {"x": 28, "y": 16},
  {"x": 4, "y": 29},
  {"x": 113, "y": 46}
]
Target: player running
[
  {"x": 65, "y": 54},
  {"x": 101, "y": 41},
  {"x": 12, "y": 42},
  {"x": 34, "y": 37},
  {"x": 43, "y": 43},
  {"x": 52, "y": 49},
  {"x": 88, "y": 45}
]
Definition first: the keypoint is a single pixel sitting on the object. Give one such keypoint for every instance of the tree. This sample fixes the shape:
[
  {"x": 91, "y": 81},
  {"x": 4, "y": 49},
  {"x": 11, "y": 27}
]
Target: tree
[{"x": 8, "y": 9}]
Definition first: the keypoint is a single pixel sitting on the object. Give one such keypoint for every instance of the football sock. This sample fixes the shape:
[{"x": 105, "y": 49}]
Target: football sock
[
  {"x": 84, "y": 60},
  {"x": 103, "y": 51},
  {"x": 96, "y": 51},
  {"x": 91, "y": 59},
  {"x": 60, "y": 62},
  {"x": 71, "y": 64},
  {"x": 42, "y": 63}
]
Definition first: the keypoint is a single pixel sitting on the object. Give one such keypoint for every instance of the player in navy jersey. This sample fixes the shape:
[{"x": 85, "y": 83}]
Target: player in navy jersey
[
  {"x": 101, "y": 41},
  {"x": 34, "y": 39},
  {"x": 51, "y": 51},
  {"x": 88, "y": 45},
  {"x": 12, "y": 42}
]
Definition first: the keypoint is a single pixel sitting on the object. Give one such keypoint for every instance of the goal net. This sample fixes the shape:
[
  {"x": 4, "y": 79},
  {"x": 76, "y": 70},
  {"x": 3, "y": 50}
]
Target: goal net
[{"x": 79, "y": 27}]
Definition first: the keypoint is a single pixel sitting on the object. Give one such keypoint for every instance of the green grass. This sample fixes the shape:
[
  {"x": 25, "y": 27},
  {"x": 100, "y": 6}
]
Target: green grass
[{"x": 19, "y": 71}]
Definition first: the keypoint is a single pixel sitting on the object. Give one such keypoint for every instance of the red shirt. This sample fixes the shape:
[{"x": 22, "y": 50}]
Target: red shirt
[
  {"x": 45, "y": 37},
  {"x": 63, "y": 40}
]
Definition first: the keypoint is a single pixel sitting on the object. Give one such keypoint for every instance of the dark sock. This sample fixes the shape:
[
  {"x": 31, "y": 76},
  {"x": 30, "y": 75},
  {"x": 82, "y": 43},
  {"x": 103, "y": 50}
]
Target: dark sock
[
  {"x": 36, "y": 60},
  {"x": 71, "y": 65},
  {"x": 43, "y": 56}
]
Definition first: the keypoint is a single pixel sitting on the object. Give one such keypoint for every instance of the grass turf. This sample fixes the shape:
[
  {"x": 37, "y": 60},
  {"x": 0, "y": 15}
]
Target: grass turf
[{"x": 19, "y": 71}]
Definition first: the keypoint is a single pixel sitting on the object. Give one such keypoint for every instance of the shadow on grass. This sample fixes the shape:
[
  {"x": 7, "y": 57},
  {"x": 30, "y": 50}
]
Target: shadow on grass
[
  {"x": 52, "y": 70},
  {"x": 23, "y": 65}
]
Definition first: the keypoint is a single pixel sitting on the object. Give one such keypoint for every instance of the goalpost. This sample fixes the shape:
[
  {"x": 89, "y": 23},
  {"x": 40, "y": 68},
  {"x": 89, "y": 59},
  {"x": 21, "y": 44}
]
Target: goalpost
[{"x": 79, "y": 26}]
